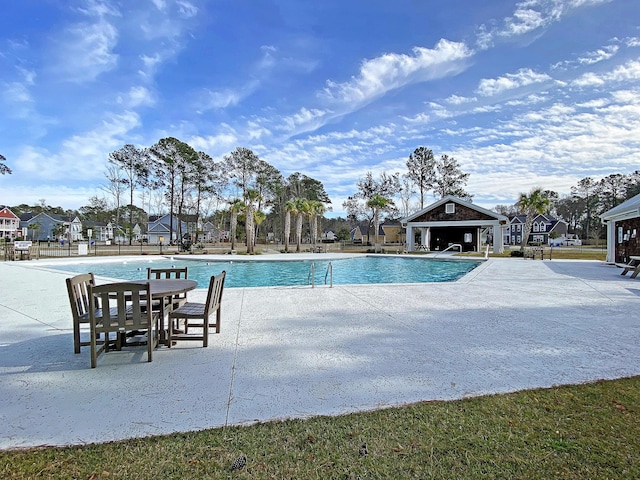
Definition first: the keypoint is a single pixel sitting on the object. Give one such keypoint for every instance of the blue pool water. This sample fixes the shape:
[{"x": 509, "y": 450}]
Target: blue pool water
[{"x": 256, "y": 273}]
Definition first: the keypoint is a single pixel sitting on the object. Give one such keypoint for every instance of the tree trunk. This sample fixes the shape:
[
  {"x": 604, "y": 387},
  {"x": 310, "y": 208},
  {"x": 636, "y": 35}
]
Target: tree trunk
[
  {"x": 526, "y": 231},
  {"x": 314, "y": 230},
  {"x": 298, "y": 232},
  {"x": 233, "y": 227},
  {"x": 287, "y": 230},
  {"x": 249, "y": 228}
]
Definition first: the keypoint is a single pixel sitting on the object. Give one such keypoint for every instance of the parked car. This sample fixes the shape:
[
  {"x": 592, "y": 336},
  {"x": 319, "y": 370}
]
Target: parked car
[{"x": 567, "y": 242}]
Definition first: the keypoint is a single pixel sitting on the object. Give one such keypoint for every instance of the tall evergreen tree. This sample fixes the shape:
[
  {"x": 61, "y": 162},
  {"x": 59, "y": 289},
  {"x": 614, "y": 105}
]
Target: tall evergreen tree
[
  {"x": 421, "y": 166},
  {"x": 450, "y": 179}
]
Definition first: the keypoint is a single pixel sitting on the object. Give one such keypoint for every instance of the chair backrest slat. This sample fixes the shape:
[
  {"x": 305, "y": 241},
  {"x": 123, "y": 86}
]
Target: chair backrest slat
[
  {"x": 127, "y": 299},
  {"x": 214, "y": 295},
  {"x": 79, "y": 297},
  {"x": 157, "y": 273}
]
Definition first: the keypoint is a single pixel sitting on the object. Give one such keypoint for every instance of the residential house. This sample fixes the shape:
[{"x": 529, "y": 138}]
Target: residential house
[
  {"x": 212, "y": 234},
  {"x": 328, "y": 237},
  {"x": 623, "y": 229},
  {"x": 363, "y": 234},
  {"x": 159, "y": 229},
  {"x": 9, "y": 224},
  {"x": 541, "y": 230},
  {"x": 393, "y": 232},
  {"x": 51, "y": 226}
]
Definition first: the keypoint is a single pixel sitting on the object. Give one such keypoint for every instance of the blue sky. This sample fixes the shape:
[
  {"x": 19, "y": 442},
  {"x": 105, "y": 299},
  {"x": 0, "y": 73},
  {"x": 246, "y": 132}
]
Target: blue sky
[{"x": 522, "y": 94}]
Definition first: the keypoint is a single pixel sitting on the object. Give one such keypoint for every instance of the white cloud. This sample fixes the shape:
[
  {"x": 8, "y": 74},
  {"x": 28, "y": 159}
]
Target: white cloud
[
  {"x": 216, "y": 145},
  {"x": 629, "y": 71},
  {"x": 457, "y": 100},
  {"x": 391, "y": 71},
  {"x": 16, "y": 92},
  {"x": 160, "y": 4},
  {"x": 86, "y": 50},
  {"x": 98, "y": 8},
  {"x": 82, "y": 156},
  {"x": 229, "y": 97},
  {"x": 303, "y": 117},
  {"x": 138, "y": 96},
  {"x": 186, "y": 9},
  {"x": 511, "y": 81},
  {"x": 529, "y": 16},
  {"x": 632, "y": 42},
  {"x": 599, "y": 55}
]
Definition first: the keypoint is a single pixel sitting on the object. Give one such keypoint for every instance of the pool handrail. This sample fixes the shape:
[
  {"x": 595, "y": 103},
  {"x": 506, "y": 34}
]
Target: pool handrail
[{"x": 448, "y": 248}]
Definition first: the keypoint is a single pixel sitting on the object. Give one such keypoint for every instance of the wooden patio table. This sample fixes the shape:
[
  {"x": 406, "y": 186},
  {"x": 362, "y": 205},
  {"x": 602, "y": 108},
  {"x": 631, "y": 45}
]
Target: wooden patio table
[{"x": 167, "y": 287}]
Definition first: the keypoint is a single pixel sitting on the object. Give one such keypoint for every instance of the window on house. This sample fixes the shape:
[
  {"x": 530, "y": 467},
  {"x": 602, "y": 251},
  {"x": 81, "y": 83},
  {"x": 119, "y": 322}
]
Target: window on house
[
  {"x": 519, "y": 226},
  {"x": 450, "y": 208}
]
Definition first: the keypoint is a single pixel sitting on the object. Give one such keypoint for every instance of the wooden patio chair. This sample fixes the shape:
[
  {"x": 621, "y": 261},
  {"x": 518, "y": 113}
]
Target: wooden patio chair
[
  {"x": 81, "y": 302},
  {"x": 126, "y": 315},
  {"x": 160, "y": 273},
  {"x": 200, "y": 313}
]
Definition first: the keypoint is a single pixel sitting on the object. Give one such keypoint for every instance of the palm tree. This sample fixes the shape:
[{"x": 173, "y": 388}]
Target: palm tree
[
  {"x": 250, "y": 196},
  {"x": 258, "y": 217},
  {"x": 35, "y": 228},
  {"x": 534, "y": 203},
  {"x": 289, "y": 208},
  {"x": 316, "y": 208},
  {"x": 235, "y": 206},
  {"x": 301, "y": 208},
  {"x": 377, "y": 203}
]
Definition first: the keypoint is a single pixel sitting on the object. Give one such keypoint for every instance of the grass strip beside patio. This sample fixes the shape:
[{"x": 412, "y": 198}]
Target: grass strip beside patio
[{"x": 582, "y": 431}]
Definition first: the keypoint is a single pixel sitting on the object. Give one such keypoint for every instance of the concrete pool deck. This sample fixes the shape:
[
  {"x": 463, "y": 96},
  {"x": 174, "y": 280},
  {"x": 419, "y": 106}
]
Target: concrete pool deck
[{"x": 288, "y": 352}]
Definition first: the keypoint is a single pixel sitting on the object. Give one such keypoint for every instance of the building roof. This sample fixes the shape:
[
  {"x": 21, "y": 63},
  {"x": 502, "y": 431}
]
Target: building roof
[
  {"x": 459, "y": 201},
  {"x": 628, "y": 209},
  {"x": 5, "y": 212}
]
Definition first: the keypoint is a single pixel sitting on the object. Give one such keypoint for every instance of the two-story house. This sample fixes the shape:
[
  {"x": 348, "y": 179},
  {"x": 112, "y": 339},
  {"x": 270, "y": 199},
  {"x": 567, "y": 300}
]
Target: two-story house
[
  {"x": 51, "y": 226},
  {"x": 541, "y": 229},
  {"x": 159, "y": 229},
  {"x": 9, "y": 224}
]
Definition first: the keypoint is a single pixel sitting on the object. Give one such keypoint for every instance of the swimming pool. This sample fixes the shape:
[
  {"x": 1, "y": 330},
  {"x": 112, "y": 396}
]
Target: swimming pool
[{"x": 258, "y": 273}]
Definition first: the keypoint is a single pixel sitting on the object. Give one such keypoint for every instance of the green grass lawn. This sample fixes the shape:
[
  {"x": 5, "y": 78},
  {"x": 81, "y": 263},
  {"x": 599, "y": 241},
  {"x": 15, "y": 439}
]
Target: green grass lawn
[
  {"x": 558, "y": 253},
  {"x": 583, "y": 431}
]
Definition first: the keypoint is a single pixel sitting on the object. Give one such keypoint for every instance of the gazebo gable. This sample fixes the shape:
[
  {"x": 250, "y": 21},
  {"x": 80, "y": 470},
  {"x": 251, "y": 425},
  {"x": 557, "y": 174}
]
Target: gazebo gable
[{"x": 453, "y": 209}]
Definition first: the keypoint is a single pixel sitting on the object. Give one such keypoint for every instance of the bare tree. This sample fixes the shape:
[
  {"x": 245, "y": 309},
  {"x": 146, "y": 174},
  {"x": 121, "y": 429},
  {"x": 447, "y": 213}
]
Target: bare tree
[
  {"x": 133, "y": 164},
  {"x": 115, "y": 188}
]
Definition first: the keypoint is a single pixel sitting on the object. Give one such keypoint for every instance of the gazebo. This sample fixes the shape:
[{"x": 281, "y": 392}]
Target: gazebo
[
  {"x": 453, "y": 221},
  {"x": 623, "y": 228}
]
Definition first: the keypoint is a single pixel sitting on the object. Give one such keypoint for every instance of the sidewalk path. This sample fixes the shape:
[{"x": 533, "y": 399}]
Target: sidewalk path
[{"x": 509, "y": 325}]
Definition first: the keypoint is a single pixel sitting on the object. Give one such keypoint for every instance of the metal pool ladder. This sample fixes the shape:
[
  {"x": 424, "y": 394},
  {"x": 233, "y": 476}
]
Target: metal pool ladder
[{"x": 311, "y": 278}]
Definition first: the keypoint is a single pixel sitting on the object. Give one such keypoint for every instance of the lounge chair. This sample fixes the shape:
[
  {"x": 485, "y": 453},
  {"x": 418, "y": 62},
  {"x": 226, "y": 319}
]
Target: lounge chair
[
  {"x": 129, "y": 314},
  {"x": 191, "y": 311}
]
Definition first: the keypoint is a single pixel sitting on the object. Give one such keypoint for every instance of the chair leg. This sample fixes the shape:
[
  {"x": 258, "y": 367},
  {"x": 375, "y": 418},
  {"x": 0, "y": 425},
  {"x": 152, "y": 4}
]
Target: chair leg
[
  {"x": 76, "y": 337},
  {"x": 150, "y": 331},
  {"x": 205, "y": 333},
  {"x": 217, "y": 324},
  {"x": 94, "y": 354}
]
